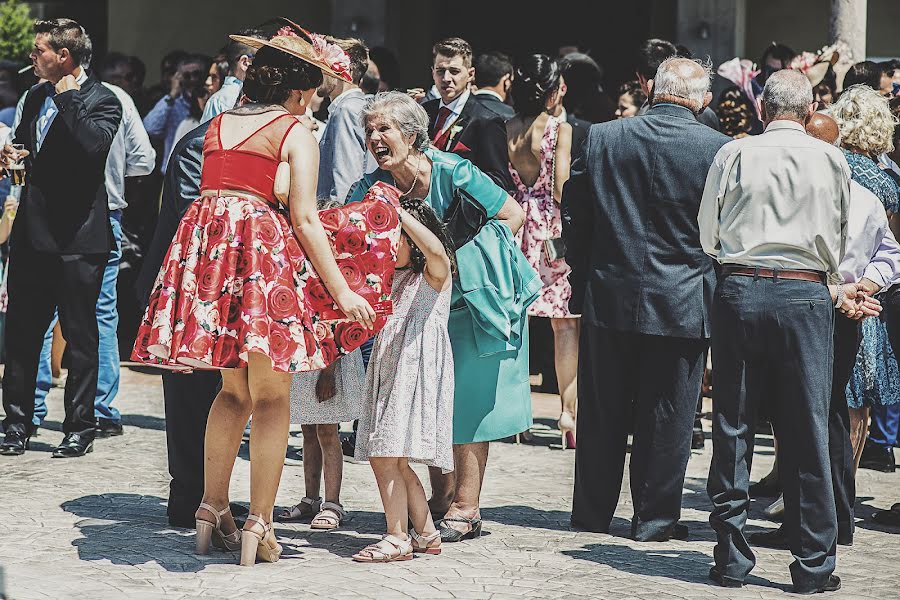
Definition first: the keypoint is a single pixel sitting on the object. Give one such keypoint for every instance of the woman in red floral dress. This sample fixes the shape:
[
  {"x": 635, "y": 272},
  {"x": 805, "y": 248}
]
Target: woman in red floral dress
[{"x": 255, "y": 289}]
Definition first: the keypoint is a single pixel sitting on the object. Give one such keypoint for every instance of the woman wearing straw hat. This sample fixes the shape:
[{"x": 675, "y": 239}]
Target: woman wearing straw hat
[{"x": 236, "y": 291}]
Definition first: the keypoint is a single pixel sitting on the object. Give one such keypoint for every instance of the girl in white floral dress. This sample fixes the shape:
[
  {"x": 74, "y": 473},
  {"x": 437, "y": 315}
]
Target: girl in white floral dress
[{"x": 409, "y": 388}]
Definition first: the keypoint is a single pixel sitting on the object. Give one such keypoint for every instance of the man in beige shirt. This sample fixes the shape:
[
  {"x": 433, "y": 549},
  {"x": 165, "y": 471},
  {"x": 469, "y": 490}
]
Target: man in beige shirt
[{"x": 774, "y": 214}]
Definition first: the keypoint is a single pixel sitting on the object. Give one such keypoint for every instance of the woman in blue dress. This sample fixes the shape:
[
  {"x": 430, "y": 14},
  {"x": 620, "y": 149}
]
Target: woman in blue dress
[
  {"x": 488, "y": 325},
  {"x": 867, "y": 130}
]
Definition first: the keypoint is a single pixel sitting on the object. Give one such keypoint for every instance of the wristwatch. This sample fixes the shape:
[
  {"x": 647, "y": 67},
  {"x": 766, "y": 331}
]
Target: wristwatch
[{"x": 840, "y": 296}]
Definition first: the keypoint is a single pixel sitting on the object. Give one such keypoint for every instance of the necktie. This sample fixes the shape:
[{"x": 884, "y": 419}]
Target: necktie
[{"x": 443, "y": 114}]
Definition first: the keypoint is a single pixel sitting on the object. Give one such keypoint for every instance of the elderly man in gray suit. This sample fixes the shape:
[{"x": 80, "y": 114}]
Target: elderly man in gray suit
[{"x": 643, "y": 285}]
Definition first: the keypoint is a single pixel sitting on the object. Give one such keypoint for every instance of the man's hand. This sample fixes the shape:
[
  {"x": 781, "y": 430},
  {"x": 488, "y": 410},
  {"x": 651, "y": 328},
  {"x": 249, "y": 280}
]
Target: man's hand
[
  {"x": 67, "y": 83},
  {"x": 417, "y": 94},
  {"x": 869, "y": 286},
  {"x": 176, "y": 85},
  {"x": 326, "y": 386},
  {"x": 857, "y": 304},
  {"x": 10, "y": 156}
]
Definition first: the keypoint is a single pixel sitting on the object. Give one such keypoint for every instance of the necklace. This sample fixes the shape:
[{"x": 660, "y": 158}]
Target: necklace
[{"x": 416, "y": 180}]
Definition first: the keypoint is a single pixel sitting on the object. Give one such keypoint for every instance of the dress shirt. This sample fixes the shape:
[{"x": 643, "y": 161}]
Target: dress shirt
[
  {"x": 777, "y": 200},
  {"x": 343, "y": 155},
  {"x": 455, "y": 107},
  {"x": 872, "y": 250},
  {"x": 163, "y": 120},
  {"x": 223, "y": 100},
  {"x": 131, "y": 153},
  {"x": 49, "y": 110}
]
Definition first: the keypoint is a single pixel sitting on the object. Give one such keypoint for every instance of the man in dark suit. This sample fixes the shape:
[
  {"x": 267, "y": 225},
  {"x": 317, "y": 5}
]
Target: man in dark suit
[
  {"x": 460, "y": 122},
  {"x": 62, "y": 238},
  {"x": 493, "y": 78},
  {"x": 188, "y": 397},
  {"x": 643, "y": 285}
]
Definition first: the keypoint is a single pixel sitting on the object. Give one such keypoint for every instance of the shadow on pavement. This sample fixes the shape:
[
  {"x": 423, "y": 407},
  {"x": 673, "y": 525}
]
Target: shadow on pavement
[
  {"x": 688, "y": 566},
  {"x": 144, "y": 422},
  {"x": 132, "y": 529}
]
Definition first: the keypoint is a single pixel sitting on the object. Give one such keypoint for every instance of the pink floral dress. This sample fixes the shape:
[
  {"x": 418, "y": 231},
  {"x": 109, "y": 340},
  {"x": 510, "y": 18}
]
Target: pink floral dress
[{"x": 543, "y": 222}]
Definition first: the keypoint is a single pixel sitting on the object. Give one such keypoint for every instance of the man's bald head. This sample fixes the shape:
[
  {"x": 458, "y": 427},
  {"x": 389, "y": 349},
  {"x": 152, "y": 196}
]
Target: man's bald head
[
  {"x": 682, "y": 81},
  {"x": 824, "y": 128}
]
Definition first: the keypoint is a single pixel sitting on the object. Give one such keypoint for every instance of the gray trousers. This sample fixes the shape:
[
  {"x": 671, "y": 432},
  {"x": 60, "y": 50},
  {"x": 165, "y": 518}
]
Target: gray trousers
[{"x": 773, "y": 343}]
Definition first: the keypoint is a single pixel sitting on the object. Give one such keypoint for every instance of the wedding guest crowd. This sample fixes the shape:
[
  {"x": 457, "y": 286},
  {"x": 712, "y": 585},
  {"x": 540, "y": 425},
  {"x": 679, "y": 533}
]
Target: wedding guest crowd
[{"x": 384, "y": 267}]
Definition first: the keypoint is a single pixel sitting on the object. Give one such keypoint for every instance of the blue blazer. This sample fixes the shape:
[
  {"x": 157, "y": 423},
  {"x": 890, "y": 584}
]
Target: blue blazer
[{"x": 630, "y": 224}]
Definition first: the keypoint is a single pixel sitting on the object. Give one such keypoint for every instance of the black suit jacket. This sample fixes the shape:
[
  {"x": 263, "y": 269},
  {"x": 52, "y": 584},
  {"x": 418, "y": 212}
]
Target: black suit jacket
[
  {"x": 64, "y": 206},
  {"x": 498, "y": 106},
  {"x": 481, "y": 139},
  {"x": 180, "y": 188},
  {"x": 630, "y": 224},
  {"x": 580, "y": 129}
]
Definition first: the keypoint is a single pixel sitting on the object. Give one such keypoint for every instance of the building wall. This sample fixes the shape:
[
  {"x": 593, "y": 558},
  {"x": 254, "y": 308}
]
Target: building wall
[
  {"x": 150, "y": 29},
  {"x": 804, "y": 25}
]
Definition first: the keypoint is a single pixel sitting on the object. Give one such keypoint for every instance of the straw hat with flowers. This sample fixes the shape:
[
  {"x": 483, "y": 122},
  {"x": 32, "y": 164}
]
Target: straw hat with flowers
[{"x": 311, "y": 47}]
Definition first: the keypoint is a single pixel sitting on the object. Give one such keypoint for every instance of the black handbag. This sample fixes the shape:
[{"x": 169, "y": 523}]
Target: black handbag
[{"x": 464, "y": 218}]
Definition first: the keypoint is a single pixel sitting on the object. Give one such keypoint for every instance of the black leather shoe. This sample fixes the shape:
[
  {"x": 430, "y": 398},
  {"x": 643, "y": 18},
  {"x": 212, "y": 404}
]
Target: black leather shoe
[
  {"x": 724, "y": 580},
  {"x": 75, "y": 444},
  {"x": 770, "y": 539},
  {"x": 878, "y": 458},
  {"x": 765, "y": 489},
  {"x": 832, "y": 585},
  {"x": 108, "y": 428},
  {"x": 348, "y": 445},
  {"x": 697, "y": 440},
  {"x": 14, "y": 444}
]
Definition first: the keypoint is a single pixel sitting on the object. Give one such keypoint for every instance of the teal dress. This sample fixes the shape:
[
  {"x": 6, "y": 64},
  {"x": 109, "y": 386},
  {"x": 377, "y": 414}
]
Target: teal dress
[{"x": 488, "y": 331}]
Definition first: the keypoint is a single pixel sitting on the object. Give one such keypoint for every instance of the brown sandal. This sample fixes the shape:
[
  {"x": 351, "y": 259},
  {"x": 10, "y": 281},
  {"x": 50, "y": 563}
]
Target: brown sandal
[
  {"x": 302, "y": 511},
  {"x": 389, "y": 549}
]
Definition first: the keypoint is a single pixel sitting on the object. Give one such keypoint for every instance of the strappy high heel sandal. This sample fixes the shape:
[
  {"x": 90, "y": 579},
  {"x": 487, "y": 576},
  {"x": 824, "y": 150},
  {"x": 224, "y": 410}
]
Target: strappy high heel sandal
[
  {"x": 256, "y": 545},
  {"x": 449, "y": 534},
  {"x": 389, "y": 549},
  {"x": 304, "y": 510},
  {"x": 426, "y": 544},
  {"x": 566, "y": 426},
  {"x": 212, "y": 532}
]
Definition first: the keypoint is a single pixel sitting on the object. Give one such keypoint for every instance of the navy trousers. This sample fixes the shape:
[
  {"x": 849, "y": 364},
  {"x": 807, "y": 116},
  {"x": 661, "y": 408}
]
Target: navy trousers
[
  {"x": 651, "y": 382},
  {"x": 840, "y": 450},
  {"x": 773, "y": 342}
]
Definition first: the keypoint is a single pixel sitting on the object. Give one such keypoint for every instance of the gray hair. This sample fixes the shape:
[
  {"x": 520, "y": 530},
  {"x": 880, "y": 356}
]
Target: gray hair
[
  {"x": 410, "y": 118},
  {"x": 691, "y": 83},
  {"x": 787, "y": 93}
]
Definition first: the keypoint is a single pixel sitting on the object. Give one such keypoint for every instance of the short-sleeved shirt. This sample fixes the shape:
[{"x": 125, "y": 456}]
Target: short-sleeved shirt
[{"x": 449, "y": 172}]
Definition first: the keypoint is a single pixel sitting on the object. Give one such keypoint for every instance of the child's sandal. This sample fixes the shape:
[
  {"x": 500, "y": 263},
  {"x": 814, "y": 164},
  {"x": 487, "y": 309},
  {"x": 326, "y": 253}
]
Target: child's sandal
[
  {"x": 330, "y": 517},
  {"x": 302, "y": 511},
  {"x": 426, "y": 544},
  {"x": 389, "y": 549}
]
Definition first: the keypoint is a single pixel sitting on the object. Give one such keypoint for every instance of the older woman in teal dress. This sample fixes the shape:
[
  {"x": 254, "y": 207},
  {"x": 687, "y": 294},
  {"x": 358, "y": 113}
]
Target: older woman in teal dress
[{"x": 488, "y": 327}]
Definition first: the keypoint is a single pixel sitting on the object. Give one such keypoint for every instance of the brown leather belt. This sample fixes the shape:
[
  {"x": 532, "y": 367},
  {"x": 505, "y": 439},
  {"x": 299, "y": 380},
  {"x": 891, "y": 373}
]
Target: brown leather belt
[{"x": 814, "y": 276}]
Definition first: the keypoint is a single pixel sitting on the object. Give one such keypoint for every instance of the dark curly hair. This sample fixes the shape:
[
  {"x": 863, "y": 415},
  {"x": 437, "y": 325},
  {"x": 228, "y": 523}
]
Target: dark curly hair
[
  {"x": 633, "y": 89},
  {"x": 275, "y": 74},
  {"x": 537, "y": 77},
  {"x": 425, "y": 215}
]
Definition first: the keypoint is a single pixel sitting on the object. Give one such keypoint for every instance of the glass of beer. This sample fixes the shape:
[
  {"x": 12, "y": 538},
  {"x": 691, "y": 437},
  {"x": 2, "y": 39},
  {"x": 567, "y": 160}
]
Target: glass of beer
[{"x": 17, "y": 169}]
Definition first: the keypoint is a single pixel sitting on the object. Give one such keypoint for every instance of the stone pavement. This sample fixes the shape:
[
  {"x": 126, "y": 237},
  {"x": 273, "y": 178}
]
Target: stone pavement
[{"x": 96, "y": 528}]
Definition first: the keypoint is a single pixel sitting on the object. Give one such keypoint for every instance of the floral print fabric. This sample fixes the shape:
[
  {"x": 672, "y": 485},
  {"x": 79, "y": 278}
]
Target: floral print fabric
[
  {"x": 236, "y": 280},
  {"x": 543, "y": 222}
]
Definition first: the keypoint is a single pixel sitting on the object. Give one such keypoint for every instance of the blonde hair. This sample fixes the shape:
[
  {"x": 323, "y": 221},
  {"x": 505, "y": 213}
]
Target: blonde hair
[{"x": 865, "y": 119}]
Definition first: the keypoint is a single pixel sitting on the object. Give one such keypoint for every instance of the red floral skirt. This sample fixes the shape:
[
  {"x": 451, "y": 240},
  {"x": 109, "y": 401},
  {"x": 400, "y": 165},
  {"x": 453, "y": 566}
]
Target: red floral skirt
[{"x": 236, "y": 280}]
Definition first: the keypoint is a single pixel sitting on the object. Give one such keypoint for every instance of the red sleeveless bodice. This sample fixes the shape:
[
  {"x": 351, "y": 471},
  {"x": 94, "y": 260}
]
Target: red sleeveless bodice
[{"x": 251, "y": 164}]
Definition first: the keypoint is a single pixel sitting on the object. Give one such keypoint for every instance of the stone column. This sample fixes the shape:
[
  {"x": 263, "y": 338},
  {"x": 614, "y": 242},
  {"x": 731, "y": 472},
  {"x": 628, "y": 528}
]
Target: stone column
[{"x": 848, "y": 25}]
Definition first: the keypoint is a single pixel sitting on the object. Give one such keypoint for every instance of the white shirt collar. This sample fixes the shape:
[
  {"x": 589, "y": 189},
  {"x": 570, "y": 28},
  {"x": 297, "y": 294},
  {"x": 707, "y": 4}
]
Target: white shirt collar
[
  {"x": 785, "y": 124},
  {"x": 457, "y": 104},
  {"x": 82, "y": 76},
  {"x": 489, "y": 93}
]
